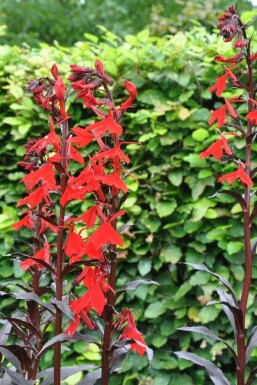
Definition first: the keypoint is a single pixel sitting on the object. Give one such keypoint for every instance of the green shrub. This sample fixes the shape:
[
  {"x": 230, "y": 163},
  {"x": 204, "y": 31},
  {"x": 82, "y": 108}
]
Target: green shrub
[{"x": 174, "y": 218}]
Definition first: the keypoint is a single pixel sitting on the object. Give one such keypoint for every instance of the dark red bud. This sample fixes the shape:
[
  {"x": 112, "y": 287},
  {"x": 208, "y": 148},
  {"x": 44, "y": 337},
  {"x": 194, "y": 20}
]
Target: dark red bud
[{"x": 55, "y": 71}]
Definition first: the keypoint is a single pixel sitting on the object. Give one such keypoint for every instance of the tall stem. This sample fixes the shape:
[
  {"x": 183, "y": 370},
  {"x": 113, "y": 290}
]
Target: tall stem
[
  {"x": 60, "y": 258},
  {"x": 247, "y": 232},
  {"x": 108, "y": 330}
]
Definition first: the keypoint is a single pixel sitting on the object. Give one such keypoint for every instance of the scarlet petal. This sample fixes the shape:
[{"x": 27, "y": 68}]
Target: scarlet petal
[
  {"x": 73, "y": 326},
  {"x": 106, "y": 234}
]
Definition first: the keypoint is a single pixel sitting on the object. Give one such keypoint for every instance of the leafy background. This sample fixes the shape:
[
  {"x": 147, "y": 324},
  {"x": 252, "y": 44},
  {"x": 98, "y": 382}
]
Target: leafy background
[{"x": 174, "y": 219}]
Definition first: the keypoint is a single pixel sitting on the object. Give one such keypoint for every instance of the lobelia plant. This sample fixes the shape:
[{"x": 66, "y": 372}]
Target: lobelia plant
[
  {"x": 242, "y": 124},
  {"x": 62, "y": 244}
]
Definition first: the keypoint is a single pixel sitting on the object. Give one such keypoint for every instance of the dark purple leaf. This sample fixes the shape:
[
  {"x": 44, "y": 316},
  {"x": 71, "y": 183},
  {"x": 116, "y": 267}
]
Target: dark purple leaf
[
  {"x": 237, "y": 197},
  {"x": 44, "y": 264},
  {"x": 65, "y": 373},
  {"x": 233, "y": 313},
  {"x": 27, "y": 325},
  {"x": 4, "y": 332},
  {"x": 59, "y": 167},
  {"x": 32, "y": 297},
  {"x": 251, "y": 343},
  {"x": 215, "y": 374},
  {"x": 253, "y": 246},
  {"x": 208, "y": 333},
  {"x": 64, "y": 306},
  {"x": 11, "y": 357},
  {"x": 253, "y": 214},
  {"x": 60, "y": 338},
  {"x": 118, "y": 357},
  {"x": 91, "y": 377},
  {"x": 134, "y": 284},
  {"x": 124, "y": 227},
  {"x": 21, "y": 354},
  {"x": 82, "y": 337},
  {"x": 18, "y": 378},
  {"x": 48, "y": 220},
  {"x": 221, "y": 279}
]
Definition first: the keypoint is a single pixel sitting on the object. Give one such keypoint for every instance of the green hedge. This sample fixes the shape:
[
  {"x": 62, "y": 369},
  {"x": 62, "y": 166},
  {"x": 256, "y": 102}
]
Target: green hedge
[{"x": 174, "y": 219}]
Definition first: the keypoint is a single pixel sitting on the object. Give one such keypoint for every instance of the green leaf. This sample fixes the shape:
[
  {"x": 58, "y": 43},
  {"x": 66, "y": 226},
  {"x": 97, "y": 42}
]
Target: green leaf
[
  {"x": 200, "y": 135},
  {"x": 144, "y": 266},
  {"x": 164, "y": 209},
  {"x": 154, "y": 310},
  {"x": 234, "y": 247}
]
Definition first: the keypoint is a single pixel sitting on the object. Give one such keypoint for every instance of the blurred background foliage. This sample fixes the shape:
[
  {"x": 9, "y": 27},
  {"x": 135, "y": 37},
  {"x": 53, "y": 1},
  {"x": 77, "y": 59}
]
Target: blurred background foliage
[
  {"x": 66, "y": 21},
  {"x": 174, "y": 219}
]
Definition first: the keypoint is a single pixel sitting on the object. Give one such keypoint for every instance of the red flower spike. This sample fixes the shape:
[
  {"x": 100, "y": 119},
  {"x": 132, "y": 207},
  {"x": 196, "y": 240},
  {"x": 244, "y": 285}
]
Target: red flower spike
[
  {"x": 216, "y": 149},
  {"x": 59, "y": 88},
  {"x": 240, "y": 173}
]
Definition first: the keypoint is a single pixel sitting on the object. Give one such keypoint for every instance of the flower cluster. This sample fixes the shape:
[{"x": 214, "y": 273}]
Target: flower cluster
[
  {"x": 230, "y": 26},
  {"x": 91, "y": 239}
]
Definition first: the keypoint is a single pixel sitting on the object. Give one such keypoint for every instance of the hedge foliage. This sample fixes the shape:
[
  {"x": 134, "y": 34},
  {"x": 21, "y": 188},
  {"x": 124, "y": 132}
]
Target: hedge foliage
[{"x": 174, "y": 217}]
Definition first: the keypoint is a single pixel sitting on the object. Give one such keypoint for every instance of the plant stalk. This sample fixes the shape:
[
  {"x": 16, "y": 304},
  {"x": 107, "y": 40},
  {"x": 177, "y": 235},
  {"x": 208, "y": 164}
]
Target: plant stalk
[
  {"x": 108, "y": 330},
  {"x": 60, "y": 259}
]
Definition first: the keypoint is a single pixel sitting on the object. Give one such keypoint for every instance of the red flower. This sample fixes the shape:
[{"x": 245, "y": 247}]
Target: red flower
[
  {"x": 217, "y": 148},
  {"x": 43, "y": 254},
  {"x": 107, "y": 124},
  {"x": 132, "y": 90},
  {"x": 131, "y": 332},
  {"x": 220, "y": 113},
  {"x": 220, "y": 85},
  {"x": 112, "y": 153},
  {"x": 93, "y": 298},
  {"x": 51, "y": 138},
  {"x": 45, "y": 174},
  {"x": 36, "y": 197},
  {"x": 82, "y": 138},
  {"x": 114, "y": 180},
  {"x": 252, "y": 115},
  {"x": 74, "y": 246},
  {"x": 240, "y": 173},
  {"x": 75, "y": 324},
  {"x": 106, "y": 234},
  {"x": 26, "y": 221},
  {"x": 234, "y": 59}
]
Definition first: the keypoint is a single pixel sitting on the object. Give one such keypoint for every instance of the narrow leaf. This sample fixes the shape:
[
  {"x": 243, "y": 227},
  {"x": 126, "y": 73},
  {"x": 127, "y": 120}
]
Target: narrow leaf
[
  {"x": 65, "y": 373},
  {"x": 237, "y": 197},
  {"x": 64, "y": 306},
  {"x": 251, "y": 343},
  {"x": 4, "y": 332},
  {"x": 208, "y": 333},
  {"x": 91, "y": 378},
  {"x": 59, "y": 338},
  {"x": 220, "y": 278},
  {"x": 215, "y": 374},
  {"x": 31, "y": 297},
  {"x": 18, "y": 378},
  {"x": 11, "y": 358},
  {"x": 134, "y": 284}
]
